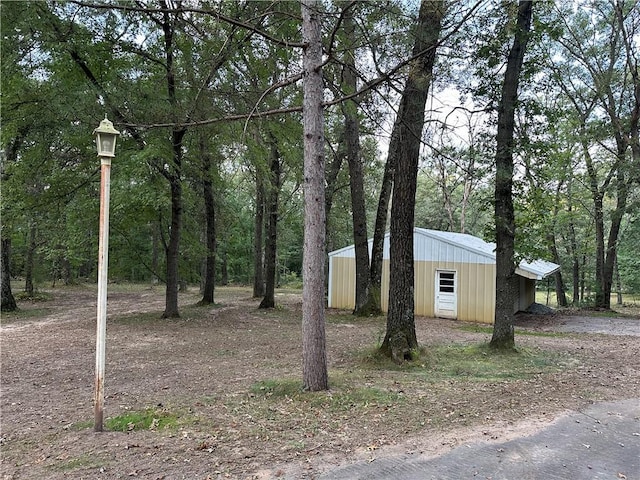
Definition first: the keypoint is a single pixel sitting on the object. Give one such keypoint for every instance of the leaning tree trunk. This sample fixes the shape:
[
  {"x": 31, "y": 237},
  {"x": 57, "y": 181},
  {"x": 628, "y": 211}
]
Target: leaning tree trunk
[
  {"x": 208, "y": 290},
  {"x": 506, "y": 280},
  {"x": 8, "y": 300},
  {"x": 314, "y": 357},
  {"x": 373, "y": 305},
  {"x": 400, "y": 339},
  {"x": 270, "y": 257},
  {"x": 356, "y": 176}
]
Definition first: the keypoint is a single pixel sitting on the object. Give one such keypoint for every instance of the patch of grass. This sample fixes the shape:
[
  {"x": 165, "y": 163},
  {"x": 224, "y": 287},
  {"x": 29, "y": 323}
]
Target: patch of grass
[
  {"x": 36, "y": 297},
  {"x": 277, "y": 388},
  {"x": 149, "y": 419},
  {"x": 342, "y": 395},
  {"x": 476, "y": 362},
  {"x": 518, "y": 331}
]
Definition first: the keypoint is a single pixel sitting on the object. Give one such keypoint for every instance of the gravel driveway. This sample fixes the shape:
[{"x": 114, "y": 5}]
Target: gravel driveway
[{"x": 580, "y": 324}]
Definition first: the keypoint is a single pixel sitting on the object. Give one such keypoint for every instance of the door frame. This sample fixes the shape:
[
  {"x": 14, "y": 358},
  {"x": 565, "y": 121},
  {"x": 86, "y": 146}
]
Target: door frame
[{"x": 453, "y": 295}]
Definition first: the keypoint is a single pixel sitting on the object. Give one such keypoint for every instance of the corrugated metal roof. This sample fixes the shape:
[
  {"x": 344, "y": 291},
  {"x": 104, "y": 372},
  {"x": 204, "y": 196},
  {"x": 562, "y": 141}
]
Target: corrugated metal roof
[{"x": 537, "y": 269}]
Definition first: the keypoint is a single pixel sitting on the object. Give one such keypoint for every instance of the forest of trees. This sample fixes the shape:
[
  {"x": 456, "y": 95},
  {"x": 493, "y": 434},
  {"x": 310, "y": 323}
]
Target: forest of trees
[{"x": 213, "y": 176}]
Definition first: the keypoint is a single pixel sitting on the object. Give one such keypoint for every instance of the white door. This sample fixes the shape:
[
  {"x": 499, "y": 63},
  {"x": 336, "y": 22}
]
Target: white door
[{"x": 446, "y": 304}]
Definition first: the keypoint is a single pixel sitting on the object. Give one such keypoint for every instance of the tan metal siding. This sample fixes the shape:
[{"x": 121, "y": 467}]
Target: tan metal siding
[
  {"x": 476, "y": 301},
  {"x": 424, "y": 273},
  {"x": 343, "y": 282},
  {"x": 475, "y": 283},
  {"x": 384, "y": 297}
]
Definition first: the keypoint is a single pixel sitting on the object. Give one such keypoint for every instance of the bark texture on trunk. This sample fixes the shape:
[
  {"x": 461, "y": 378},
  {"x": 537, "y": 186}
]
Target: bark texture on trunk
[
  {"x": 356, "y": 176},
  {"x": 506, "y": 281},
  {"x": 561, "y": 296},
  {"x": 8, "y": 300},
  {"x": 314, "y": 356},
  {"x": 270, "y": 257},
  {"x": 373, "y": 305},
  {"x": 173, "y": 174},
  {"x": 258, "y": 237},
  {"x": 400, "y": 340},
  {"x": 208, "y": 290},
  {"x": 172, "y": 250},
  {"x": 29, "y": 261}
]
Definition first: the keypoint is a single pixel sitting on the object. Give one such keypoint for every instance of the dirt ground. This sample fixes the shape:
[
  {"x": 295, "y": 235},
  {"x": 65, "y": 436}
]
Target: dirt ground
[{"x": 209, "y": 372}]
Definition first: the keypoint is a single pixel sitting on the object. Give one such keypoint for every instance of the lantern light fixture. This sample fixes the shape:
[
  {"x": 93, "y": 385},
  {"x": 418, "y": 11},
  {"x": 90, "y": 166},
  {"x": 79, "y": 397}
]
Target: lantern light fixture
[{"x": 106, "y": 137}]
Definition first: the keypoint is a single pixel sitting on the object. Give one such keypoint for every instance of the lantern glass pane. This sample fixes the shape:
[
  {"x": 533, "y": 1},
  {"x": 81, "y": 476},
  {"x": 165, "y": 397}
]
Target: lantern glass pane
[{"x": 107, "y": 143}]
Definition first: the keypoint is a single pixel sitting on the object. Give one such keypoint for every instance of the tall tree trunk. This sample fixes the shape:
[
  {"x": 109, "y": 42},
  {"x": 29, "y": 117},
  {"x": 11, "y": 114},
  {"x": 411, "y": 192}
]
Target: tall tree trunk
[
  {"x": 352, "y": 143},
  {"x": 258, "y": 237},
  {"x": 598, "y": 218},
  {"x": 373, "y": 305},
  {"x": 573, "y": 242},
  {"x": 618, "y": 284},
  {"x": 314, "y": 357},
  {"x": 173, "y": 248},
  {"x": 8, "y": 300},
  {"x": 224, "y": 274},
  {"x": 174, "y": 175},
  {"x": 29, "y": 260},
  {"x": 400, "y": 339},
  {"x": 155, "y": 251},
  {"x": 210, "y": 221},
  {"x": 561, "y": 297},
  {"x": 583, "y": 280},
  {"x": 333, "y": 167},
  {"x": 506, "y": 280},
  {"x": 622, "y": 193},
  {"x": 270, "y": 257}
]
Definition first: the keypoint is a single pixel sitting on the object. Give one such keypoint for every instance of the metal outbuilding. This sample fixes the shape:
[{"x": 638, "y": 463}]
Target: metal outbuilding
[{"x": 455, "y": 276}]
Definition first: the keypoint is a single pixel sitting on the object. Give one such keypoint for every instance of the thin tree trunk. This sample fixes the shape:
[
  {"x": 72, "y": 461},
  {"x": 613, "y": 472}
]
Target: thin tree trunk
[
  {"x": 561, "y": 297},
  {"x": 224, "y": 274},
  {"x": 174, "y": 176},
  {"x": 583, "y": 282},
  {"x": 575, "y": 268},
  {"x": 173, "y": 248},
  {"x": 356, "y": 176},
  {"x": 598, "y": 213},
  {"x": 8, "y": 300},
  {"x": 400, "y": 339},
  {"x": 270, "y": 258},
  {"x": 258, "y": 238},
  {"x": 210, "y": 221},
  {"x": 155, "y": 252},
  {"x": 618, "y": 284},
  {"x": 314, "y": 356},
  {"x": 331, "y": 176},
  {"x": 29, "y": 261},
  {"x": 506, "y": 280},
  {"x": 373, "y": 305}
]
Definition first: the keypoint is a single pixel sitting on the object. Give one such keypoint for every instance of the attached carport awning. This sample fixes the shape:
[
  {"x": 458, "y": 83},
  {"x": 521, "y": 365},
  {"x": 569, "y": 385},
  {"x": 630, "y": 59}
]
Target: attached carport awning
[{"x": 537, "y": 270}]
